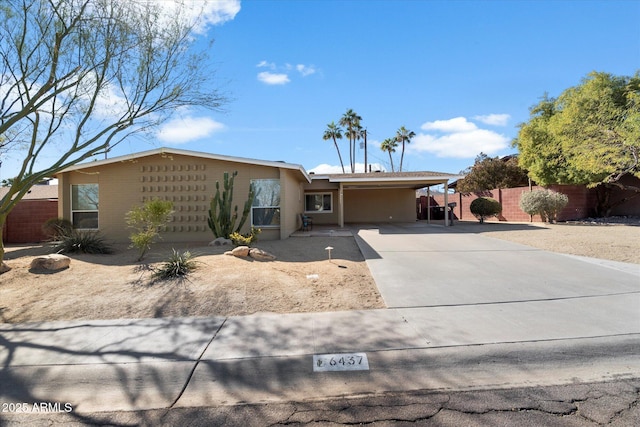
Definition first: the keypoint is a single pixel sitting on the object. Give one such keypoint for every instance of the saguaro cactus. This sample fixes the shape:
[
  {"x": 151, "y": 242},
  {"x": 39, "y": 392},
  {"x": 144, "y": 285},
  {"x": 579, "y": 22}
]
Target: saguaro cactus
[{"x": 222, "y": 219}]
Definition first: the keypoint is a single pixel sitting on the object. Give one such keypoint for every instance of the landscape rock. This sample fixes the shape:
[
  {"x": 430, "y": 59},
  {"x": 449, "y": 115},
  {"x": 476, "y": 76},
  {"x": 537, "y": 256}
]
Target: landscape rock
[
  {"x": 220, "y": 241},
  {"x": 260, "y": 255},
  {"x": 240, "y": 251},
  {"x": 51, "y": 262},
  {"x": 4, "y": 268}
]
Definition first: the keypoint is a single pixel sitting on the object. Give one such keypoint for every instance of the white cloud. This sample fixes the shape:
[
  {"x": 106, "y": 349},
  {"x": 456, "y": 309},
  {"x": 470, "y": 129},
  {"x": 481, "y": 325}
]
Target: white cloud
[
  {"x": 273, "y": 78},
  {"x": 459, "y": 144},
  {"x": 325, "y": 169},
  {"x": 219, "y": 11},
  {"x": 265, "y": 64},
  {"x": 185, "y": 129},
  {"x": 281, "y": 73},
  {"x": 494, "y": 119},
  {"x": 458, "y": 124},
  {"x": 201, "y": 14},
  {"x": 305, "y": 70},
  {"x": 458, "y": 138}
]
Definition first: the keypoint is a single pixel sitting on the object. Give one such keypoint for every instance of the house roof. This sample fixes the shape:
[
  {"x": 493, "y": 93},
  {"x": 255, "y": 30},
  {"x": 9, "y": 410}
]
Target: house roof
[
  {"x": 37, "y": 192},
  {"x": 414, "y": 180},
  {"x": 202, "y": 155}
]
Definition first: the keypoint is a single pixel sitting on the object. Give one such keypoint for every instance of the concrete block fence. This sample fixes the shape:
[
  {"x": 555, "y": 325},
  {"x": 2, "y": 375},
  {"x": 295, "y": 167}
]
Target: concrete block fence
[{"x": 582, "y": 202}]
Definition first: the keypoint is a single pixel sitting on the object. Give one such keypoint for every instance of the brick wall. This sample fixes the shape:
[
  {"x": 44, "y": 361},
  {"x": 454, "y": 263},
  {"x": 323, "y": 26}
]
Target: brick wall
[
  {"x": 581, "y": 203},
  {"x": 24, "y": 223}
]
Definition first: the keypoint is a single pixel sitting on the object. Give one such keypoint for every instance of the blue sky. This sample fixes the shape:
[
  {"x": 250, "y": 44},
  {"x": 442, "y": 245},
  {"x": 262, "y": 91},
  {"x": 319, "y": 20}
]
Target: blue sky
[{"x": 460, "y": 74}]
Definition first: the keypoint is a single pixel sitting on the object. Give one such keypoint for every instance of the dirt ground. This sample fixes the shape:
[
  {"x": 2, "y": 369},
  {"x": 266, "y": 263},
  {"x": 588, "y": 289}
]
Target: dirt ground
[
  {"x": 615, "y": 242},
  {"x": 301, "y": 279}
]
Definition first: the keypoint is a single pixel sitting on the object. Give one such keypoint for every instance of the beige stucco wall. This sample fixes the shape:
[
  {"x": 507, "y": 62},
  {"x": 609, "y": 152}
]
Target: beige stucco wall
[
  {"x": 326, "y": 217},
  {"x": 379, "y": 205},
  {"x": 291, "y": 202},
  {"x": 323, "y": 186},
  {"x": 189, "y": 182}
]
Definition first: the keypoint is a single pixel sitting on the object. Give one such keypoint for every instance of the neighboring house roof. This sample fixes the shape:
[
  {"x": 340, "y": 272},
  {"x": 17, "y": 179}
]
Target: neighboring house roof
[
  {"x": 37, "y": 192},
  {"x": 173, "y": 151},
  {"x": 389, "y": 179}
]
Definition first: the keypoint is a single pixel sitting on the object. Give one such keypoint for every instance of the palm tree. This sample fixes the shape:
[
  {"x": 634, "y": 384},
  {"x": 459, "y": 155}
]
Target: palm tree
[
  {"x": 334, "y": 132},
  {"x": 389, "y": 145},
  {"x": 351, "y": 122},
  {"x": 404, "y": 135}
]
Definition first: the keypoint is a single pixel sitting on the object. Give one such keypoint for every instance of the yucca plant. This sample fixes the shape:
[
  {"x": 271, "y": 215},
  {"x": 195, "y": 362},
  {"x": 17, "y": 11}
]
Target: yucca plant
[
  {"x": 178, "y": 265},
  {"x": 87, "y": 242}
]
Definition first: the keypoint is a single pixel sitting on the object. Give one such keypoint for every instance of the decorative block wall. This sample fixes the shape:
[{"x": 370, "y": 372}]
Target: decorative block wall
[{"x": 186, "y": 186}]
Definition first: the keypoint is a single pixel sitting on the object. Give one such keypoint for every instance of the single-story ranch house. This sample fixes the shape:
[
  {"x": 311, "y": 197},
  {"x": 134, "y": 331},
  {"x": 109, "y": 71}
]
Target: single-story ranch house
[{"x": 97, "y": 195}]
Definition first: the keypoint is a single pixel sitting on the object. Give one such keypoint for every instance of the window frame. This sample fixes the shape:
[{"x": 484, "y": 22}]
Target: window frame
[
  {"x": 318, "y": 193},
  {"x": 277, "y": 208},
  {"x": 74, "y": 211}
]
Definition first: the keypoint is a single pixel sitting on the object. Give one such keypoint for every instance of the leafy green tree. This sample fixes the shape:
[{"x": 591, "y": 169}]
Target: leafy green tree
[
  {"x": 488, "y": 173},
  {"x": 353, "y": 130},
  {"x": 389, "y": 145},
  {"x": 334, "y": 132},
  {"x": 404, "y": 136},
  {"x": 147, "y": 221},
  {"x": 589, "y": 135},
  {"x": 79, "y": 76}
]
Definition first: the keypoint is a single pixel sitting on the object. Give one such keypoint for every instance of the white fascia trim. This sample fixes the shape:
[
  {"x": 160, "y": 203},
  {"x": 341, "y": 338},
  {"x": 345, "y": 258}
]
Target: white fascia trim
[
  {"x": 170, "y": 151},
  {"x": 397, "y": 179}
]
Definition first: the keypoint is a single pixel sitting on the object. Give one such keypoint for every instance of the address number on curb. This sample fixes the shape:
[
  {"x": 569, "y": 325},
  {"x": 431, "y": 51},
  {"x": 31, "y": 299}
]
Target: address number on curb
[{"x": 340, "y": 362}]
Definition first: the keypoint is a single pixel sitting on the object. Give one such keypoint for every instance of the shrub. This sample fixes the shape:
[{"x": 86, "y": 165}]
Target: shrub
[
  {"x": 245, "y": 239},
  {"x": 88, "y": 242},
  {"x": 178, "y": 265},
  {"x": 148, "y": 220},
  {"x": 55, "y": 228},
  {"x": 545, "y": 203},
  {"x": 485, "y": 207}
]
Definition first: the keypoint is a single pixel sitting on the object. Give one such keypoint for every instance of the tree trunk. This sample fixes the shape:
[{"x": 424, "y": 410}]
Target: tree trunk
[
  {"x": 603, "y": 195},
  {"x": 3, "y": 266},
  {"x": 339, "y": 155}
]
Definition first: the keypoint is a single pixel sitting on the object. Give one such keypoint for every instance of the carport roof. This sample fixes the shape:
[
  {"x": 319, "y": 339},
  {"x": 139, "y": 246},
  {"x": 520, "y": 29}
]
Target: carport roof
[{"x": 413, "y": 180}]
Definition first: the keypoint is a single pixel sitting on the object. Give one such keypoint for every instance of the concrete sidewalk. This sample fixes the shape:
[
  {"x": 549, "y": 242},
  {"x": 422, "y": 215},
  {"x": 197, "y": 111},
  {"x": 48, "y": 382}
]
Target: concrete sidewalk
[{"x": 452, "y": 332}]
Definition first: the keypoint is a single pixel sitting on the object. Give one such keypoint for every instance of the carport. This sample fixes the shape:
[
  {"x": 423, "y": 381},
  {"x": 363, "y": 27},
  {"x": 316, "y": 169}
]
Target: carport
[{"x": 375, "y": 196}]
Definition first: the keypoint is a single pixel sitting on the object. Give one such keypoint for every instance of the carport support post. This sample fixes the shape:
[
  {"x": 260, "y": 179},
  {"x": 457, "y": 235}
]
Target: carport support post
[
  {"x": 341, "y": 206},
  {"x": 428, "y": 205},
  {"x": 446, "y": 204}
]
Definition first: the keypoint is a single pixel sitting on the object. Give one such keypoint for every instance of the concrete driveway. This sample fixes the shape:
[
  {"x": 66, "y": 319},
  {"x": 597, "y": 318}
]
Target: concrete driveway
[{"x": 484, "y": 290}]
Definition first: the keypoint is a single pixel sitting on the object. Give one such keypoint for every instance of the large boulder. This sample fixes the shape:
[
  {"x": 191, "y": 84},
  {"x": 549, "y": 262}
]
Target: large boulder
[
  {"x": 50, "y": 262},
  {"x": 240, "y": 251},
  {"x": 260, "y": 255}
]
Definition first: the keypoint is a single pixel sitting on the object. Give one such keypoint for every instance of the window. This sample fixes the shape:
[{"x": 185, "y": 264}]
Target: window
[
  {"x": 265, "y": 211},
  {"x": 318, "y": 203},
  {"x": 84, "y": 206}
]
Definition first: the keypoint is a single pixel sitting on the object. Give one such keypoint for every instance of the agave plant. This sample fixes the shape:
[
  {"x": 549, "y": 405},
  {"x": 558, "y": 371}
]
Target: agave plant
[{"x": 178, "y": 265}]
